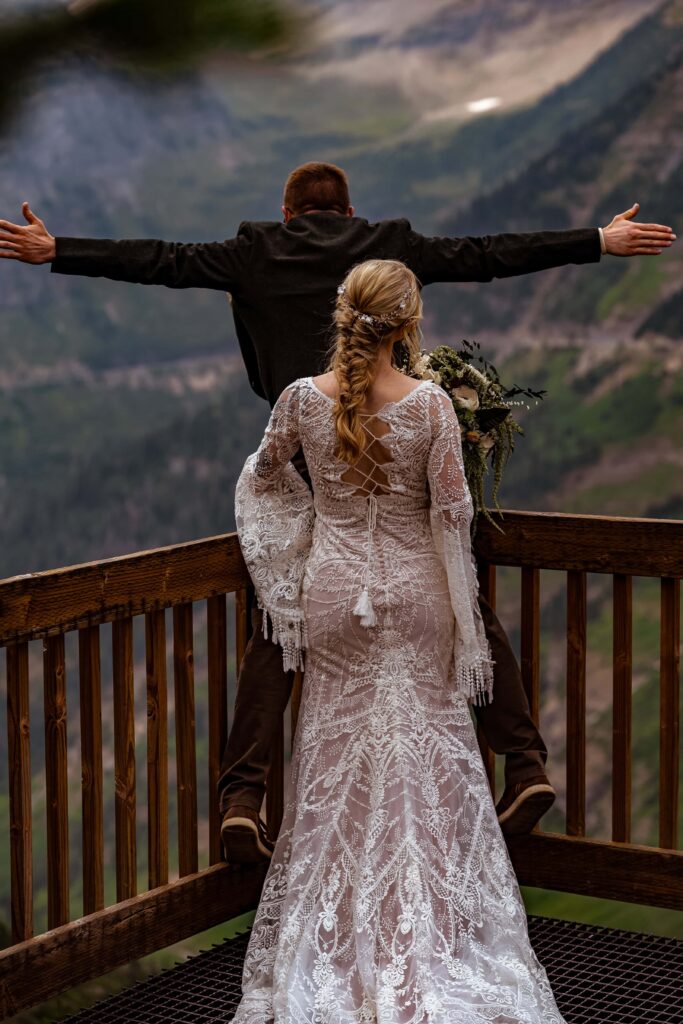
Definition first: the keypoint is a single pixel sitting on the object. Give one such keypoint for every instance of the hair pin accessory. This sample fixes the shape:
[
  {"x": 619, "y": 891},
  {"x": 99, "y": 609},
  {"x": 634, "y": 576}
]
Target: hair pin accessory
[{"x": 375, "y": 318}]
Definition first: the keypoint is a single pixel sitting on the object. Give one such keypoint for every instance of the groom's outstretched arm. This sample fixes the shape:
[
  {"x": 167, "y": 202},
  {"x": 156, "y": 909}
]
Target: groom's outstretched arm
[
  {"x": 508, "y": 255},
  {"x": 139, "y": 261}
]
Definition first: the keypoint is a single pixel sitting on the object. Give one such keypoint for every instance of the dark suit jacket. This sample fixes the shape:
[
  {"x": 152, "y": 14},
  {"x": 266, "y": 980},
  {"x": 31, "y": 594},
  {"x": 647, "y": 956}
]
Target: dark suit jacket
[{"x": 283, "y": 277}]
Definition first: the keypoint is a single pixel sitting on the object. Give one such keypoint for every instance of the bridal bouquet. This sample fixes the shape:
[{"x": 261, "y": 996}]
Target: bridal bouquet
[{"x": 483, "y": 406}]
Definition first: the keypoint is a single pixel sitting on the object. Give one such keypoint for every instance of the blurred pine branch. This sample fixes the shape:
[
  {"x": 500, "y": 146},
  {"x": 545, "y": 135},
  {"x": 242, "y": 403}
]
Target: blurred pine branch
[{"x": 153, "y": 36}]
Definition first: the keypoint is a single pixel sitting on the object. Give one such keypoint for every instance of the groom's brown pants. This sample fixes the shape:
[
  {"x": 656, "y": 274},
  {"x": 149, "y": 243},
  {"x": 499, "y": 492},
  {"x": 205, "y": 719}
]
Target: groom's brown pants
[{"x": 263, "y": 690}]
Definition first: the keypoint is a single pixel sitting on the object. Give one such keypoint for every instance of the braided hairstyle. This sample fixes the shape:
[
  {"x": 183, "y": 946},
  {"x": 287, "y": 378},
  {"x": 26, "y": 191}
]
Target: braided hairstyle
[{"x": 378, "y": 301}]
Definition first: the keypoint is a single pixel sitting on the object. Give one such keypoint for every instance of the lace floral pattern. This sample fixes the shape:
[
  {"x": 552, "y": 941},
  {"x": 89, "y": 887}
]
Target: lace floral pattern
[
  {"x": 274, "y": 517},
  {"x": 390, "y": 897}
]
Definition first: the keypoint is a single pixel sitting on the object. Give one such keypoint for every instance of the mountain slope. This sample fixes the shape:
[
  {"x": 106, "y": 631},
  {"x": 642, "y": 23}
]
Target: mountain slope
[
  {"x": 440, "y": 174},
  {"x": 632, "y": 150},
  {"x": 165, "y": 475},
  {"x": 108, "y": 153}
]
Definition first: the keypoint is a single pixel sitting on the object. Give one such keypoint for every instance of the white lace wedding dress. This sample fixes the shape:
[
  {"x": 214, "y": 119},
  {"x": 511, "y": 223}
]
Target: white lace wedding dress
[{"x": 390, "y": 897}]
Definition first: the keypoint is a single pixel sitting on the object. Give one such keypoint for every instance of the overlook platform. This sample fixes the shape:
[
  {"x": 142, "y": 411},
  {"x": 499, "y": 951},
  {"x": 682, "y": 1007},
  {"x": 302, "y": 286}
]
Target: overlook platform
[
  {"x": 104, "y": 624},
  {"x": 598, "y": 976}
]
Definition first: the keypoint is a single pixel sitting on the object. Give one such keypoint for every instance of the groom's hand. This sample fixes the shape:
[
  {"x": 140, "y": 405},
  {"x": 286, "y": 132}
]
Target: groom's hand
[
  {"x": 626, "y": 237},
  {"x": 29, "y": 244}
]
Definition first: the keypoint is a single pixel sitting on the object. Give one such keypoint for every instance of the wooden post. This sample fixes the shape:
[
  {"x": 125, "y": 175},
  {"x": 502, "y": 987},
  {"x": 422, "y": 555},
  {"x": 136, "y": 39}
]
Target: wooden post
[
  {"x": 622, "y": 662},
  {"x": 90, "y": 692},
  {"x": 157, "y": 747},
  {"x": 20, "y": 825},
  {"x": 576, "y": 703},
  {"x": 186, "y": 763},
  {"x": 124, "y": 758},
  {"x": 530, "y": 639},
  {"x": 217, "y": 641},
  {"x": 670, "y": 654},
  {"x": 56, "y": 781}
]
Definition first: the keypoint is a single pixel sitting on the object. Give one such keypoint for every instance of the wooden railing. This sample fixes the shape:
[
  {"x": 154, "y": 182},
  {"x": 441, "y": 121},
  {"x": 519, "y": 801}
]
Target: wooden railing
[
  {"x": 80, "y": 599},
  {"x": 623, "y": 548},
  {"x": 49, "y": 606}
]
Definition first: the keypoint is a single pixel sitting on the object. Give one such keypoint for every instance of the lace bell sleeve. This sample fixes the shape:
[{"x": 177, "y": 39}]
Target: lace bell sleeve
[
  {"x": 274, "y": 518},
  {"x": 451, "y": 516}
]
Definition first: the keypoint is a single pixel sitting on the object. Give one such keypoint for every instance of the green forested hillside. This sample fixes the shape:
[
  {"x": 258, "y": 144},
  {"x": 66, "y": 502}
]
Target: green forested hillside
[
  {"x": 607, "y": 438},
  {"x": 120, "y": 470},
  {"x": 441, "y": 176},
  {"x": 128, "y": 469}
]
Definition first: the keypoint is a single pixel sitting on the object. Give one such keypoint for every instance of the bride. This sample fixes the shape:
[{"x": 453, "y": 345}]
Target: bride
[{"x": 390, "y": 897}]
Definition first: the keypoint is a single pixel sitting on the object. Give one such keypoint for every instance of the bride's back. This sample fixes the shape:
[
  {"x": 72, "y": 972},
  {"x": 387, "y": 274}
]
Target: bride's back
[
  {"x": 397, "y": 438},
  {"x": 368, "y": 476}
]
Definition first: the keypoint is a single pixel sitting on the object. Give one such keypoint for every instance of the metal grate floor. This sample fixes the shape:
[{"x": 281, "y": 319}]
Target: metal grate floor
[{"x": 598, "y": 976}]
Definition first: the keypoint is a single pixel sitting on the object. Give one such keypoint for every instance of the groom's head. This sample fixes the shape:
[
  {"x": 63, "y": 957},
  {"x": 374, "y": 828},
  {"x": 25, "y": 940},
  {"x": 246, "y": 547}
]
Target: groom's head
[{"x": 316, "y": 188}]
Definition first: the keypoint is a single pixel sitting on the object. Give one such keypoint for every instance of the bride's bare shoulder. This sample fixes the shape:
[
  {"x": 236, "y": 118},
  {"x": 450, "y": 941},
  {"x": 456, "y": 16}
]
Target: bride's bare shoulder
[
  {"x": 327, "y": 383},
  {"x": 394, "y": 387}
]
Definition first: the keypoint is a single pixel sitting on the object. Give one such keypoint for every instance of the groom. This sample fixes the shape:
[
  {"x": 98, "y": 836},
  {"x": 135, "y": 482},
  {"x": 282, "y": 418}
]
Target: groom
[{"x": 283, "y": 277}]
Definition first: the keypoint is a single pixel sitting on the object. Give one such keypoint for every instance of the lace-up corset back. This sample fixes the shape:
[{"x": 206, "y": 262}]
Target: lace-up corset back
[
  {"x": 392, "y": 465},
  {"x": 367, "y": 476},
  {"x": 366, "y": 508}
]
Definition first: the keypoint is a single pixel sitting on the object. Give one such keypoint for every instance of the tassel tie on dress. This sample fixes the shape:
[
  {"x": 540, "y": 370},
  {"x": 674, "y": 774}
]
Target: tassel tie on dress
[{"x": 363, "y": 606}]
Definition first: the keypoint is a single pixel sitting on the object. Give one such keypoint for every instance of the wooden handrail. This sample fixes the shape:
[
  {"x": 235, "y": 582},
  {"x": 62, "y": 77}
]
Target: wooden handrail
[
  {"x": 609, "y": 544},
  {"x": 616, "y": 869},
  {"x": 81, "y": 598},
  {"x": 45, "y": 603},
  {"x": 33, "y": 971},
  {"x": 49, "y": 605},
  {"x": 38, "y": 604}
]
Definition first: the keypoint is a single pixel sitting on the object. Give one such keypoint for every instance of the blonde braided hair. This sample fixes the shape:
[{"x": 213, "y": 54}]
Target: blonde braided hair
[{"x": 378, "y": 301}]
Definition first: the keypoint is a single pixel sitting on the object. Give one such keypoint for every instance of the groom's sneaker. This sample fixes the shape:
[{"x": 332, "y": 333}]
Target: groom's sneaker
[
  {"x": 523, "y": 804},
  {"x": 244, "y": 836}
]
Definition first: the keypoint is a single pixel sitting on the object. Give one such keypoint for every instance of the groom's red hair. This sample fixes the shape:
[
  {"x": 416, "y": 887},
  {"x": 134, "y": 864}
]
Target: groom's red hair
[{"x": 317, "y": 186}]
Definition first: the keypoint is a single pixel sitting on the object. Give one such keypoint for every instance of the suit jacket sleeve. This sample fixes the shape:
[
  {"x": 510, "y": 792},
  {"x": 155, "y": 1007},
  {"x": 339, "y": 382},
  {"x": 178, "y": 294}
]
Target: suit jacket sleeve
[
  {"x": 218, "y": 265},
  {"x": 506, "y": 255},
  {"x": 248, "y": 353}
]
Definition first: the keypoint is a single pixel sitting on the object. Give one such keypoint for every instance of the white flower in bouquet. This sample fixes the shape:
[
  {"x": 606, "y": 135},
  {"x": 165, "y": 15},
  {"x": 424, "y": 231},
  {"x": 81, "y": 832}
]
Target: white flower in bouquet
[
  {"x": 466, "y": 397},
  {"x": 480, "y": 400},
  {"x": 478, "y": 375},
  {"x": 424, "y": 370}
]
